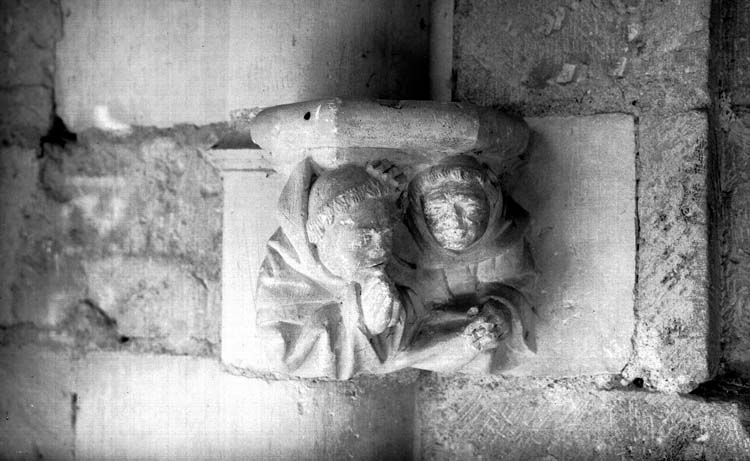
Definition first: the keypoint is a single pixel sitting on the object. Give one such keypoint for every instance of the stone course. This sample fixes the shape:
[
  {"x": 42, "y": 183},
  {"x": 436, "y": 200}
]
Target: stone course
[
  {"x": 37, "y": 404},
  {"x": 582, "y": 56},
  {"x": 735, "y": 145},
  {"x": 142, "y": 205},
  {"x": 116, "y": 64},
  {"x": 27, "y": 52},
  {"x": 182, "y": 407},
  {"x": 591, "y": 419},
  {"x": 731, "y": 133},
  {"x": 676, "y": 344},
  {"x": 130, "y": 226},
  {"x": 649, "y": 59}
]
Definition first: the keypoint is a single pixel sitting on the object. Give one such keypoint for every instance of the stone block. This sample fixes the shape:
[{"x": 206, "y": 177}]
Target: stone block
[
  {"x": 676, "y": 338},
  {"x": 509, "y": 418},
  {"x": 571, "y": 56},
  {"x": 157, "y": 301},
  {"x": 124, "y": 228},
  {"x": 735, "y": 175},
  {"x": 249, "y": 220},
  {"x": 733, "y": 48},
  {"x": 27, "y": 43},
  {"x": 141, "y": 406},
  {"x": 167, "y": 63},
  {"x": 150, "y": 192},
  {"x": 25, "y": 113},
  {"x": 47, "y": 286},
  {"x": 579, "y": 188},
  {"x": 37, "y": 403},
  {"x": 18, "y": 176}
]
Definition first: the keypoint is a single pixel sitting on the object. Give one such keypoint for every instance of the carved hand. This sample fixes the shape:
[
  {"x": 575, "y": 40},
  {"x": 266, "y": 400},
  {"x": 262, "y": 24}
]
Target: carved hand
[
  {"x": 490, "y": 326},
  {"x": 381, "y": 306}
]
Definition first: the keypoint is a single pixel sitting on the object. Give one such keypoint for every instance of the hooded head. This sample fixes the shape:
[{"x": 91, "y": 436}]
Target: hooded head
[
  {"x": 456, "y": 199},
  {"x": 351, "y": 217}
]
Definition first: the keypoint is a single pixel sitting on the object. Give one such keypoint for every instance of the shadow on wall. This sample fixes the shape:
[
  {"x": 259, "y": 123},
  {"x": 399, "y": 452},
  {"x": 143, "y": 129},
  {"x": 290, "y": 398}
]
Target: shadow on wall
[
  {"x": 730, "y": 389},
  {"x": 376, "y": 50},
  {"x": 194, "y": 62}
]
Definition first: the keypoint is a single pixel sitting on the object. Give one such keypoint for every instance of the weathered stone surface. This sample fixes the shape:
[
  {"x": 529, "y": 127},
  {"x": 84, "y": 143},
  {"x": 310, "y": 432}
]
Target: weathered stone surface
[
  {"x": 579, "y": 189},
  {"x": 39, "y": 275},
  {"x": 676, "y": 338},
  {"x": 37, "y": 404},
  {"x": 18, "y": 179},
  {"x": 735, "y": 176},
  {"x": 731, "y": 128},
  {"x": 572, "y": 56},
  {"x": 510, "y": 418},
  {"x": 120, "y": 232},
  {"x": 166, "y": 63},
  {"x": 25, "y": 113},
  {"x": 179, "y": 407},
  {"x": 151, "y": 192},
  {"x": 27, "y": 43},
  {"x": 734, "y": 49},
  {"x": 156, "y": 301}
]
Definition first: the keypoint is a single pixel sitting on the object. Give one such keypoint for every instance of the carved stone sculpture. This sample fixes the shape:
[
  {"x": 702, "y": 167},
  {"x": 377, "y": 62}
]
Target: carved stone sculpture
[
  {"x": 324, "y": 299},
  {"x": 394, "y": 251},
  {"x": 470, "y": 255}
]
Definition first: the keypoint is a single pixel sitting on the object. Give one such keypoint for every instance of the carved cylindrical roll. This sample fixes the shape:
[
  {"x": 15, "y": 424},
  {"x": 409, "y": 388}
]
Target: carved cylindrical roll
[{"x": 409, "y": 126}]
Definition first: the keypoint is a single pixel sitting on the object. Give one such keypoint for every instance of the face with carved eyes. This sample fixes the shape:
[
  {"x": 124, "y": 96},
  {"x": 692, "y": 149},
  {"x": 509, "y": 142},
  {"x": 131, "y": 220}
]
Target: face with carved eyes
[
  {"x": 359, "y": 242},
  {"x": 456, "y": 214}
]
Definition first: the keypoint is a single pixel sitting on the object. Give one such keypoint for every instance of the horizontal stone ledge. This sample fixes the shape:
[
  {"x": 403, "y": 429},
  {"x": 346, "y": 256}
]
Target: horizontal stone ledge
[
  {"x": 463, "y": 418},
  {"x": 240, "y": 159},
  {"x": 183, "y": 407},
  {"x": 676, "y": 341}
]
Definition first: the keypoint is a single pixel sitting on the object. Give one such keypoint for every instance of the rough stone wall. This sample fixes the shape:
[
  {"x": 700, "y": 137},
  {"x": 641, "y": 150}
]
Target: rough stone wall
[
  {"x": 109, "y": 264},
  {"x": 29, "y": 33},
  {"x": 649, "y": 59},
  {"x": 110, "y": 256},
  {"x": 731, "y": 134},
  {"x": 674, "y": 344},
  {"x": 582, "y": 419},
  {"x": 582, "y": 56},
  {"x": 123, "y": 231}
]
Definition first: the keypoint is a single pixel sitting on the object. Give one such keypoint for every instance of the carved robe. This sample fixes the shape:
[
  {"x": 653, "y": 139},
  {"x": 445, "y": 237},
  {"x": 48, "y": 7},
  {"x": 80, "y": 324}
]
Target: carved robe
[
  {"x": 497, "y": 266},
  {"x": 301, "y": 306}
]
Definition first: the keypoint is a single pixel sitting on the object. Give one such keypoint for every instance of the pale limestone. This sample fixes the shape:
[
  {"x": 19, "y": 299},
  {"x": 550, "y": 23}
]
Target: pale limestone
[
  {"x": 628, "y": 55},
  {"x": 162, "y": 63},
  {"x": 580, "y": 191},
  {"x": 677, "y": 335},
  {"x": 540, "y": 419},
  {"x": 38, "y": 404},
  {"x": 155, "y": 299},
  {"x": 249, "y": 220},
  {"x": 166, "y": 407},
  {"x": 19, "y": 169}
]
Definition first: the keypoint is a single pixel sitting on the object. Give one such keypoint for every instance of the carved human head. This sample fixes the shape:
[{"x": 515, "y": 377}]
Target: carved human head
[
  {"x": 351, "y": 215},
  {"x": 453, "y": 196}
]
